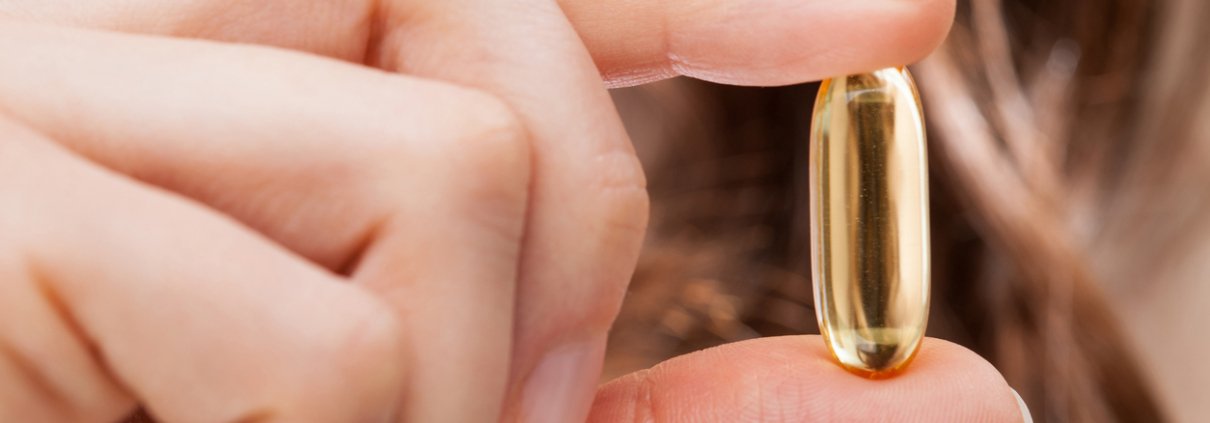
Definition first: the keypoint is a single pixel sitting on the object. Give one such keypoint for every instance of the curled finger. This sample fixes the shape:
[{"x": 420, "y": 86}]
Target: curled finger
[{"x": 116, "y": 294}]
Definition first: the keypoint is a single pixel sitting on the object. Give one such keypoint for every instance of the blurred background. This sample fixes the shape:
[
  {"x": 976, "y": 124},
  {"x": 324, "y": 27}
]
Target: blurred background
[{"x": 1070, "y": 172}]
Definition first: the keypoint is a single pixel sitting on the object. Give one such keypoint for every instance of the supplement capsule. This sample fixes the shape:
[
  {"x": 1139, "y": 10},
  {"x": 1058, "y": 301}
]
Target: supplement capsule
[{"x": 870, "y": 220}]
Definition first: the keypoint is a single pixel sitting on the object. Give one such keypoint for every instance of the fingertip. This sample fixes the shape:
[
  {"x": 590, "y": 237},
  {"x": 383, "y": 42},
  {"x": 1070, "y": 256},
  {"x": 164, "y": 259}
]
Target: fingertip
[
  {"x": 963, "y": 376},
  {"x": 798, "y": 41},
  {"x": 794, "y": 378},
  {"x": 926, "y": 24}
]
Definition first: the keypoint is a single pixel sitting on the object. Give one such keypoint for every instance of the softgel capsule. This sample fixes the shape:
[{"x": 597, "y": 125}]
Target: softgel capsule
[{"x": 870, "y": 220}]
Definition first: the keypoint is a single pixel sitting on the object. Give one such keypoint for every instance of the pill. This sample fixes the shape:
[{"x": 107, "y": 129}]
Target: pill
[{"x": 870, "y": 220}]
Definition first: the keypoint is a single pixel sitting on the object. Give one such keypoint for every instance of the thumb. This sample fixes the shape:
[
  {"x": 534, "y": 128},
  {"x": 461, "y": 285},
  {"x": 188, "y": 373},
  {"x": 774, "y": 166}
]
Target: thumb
[{"x": 795, "y": 379}]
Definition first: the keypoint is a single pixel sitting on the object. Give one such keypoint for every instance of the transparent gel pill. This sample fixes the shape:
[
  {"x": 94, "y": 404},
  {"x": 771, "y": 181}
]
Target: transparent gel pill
[{"x": 870, "y": 220}]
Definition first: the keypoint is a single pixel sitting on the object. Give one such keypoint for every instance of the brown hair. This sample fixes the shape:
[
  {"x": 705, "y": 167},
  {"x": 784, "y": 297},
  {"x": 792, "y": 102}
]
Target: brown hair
[{"x": 1052, "y": 126}]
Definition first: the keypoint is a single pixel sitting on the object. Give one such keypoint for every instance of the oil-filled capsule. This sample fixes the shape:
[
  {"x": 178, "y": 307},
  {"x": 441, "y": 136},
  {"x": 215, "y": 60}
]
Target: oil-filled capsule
[{"x": 870, "y": 220}]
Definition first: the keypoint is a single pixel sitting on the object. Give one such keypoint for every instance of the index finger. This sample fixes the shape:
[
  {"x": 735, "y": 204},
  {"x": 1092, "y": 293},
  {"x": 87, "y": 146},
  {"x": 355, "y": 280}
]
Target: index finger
[
  {"x": 755, "y": 42},
  {"x": 748, "y": 42},
  {"x": 794, "y": 379}
]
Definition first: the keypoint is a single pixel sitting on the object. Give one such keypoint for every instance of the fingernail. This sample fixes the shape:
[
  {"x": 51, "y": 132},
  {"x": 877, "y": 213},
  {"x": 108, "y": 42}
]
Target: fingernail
[
  {"x": 1025, "y": 416},
  {"x": 562, "y": 385}
]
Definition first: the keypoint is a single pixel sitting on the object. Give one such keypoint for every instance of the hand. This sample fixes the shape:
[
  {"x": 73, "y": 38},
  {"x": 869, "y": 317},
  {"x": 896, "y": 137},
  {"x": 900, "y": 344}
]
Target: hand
[{"x": 426, "y": 208}]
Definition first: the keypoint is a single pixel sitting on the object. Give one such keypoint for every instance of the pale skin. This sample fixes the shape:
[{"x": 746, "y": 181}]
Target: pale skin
[{"x": 421, "y": 211}]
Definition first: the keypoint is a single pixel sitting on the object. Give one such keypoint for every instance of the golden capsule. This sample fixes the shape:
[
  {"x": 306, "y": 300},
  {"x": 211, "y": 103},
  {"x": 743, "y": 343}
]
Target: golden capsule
[{"x": 870, "y": 220}]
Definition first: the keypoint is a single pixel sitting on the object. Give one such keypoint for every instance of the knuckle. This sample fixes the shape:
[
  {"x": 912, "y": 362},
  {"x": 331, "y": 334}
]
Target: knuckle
[
  {"x": 487, "y": 138},
  {"x": 473, "y": 161},
  {"x": 623, "y": 189},
  {"x": 358, "y": 376},
  {"x": 621, "y": 207},
  {"x": 370, "y": 343},
  {"x": 374, "y": 358},
  {"x": 462, "y": 139},
  {"x": 489, "y": 166},
  {"x": 613, "y": 215}
]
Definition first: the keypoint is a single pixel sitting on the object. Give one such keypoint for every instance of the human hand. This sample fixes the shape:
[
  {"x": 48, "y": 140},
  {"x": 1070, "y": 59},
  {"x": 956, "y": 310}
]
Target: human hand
[{"x": 585, "y": 207}]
